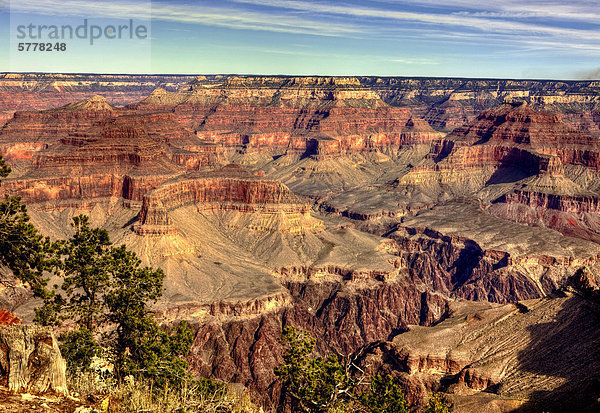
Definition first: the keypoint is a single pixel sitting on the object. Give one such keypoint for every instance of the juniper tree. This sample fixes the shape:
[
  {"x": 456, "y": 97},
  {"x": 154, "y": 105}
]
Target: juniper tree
[
  {"x": 100, "y": 284},
  {"x": 23, "y": 250},
  {"x": 316, "y": 384},
  {"x": 438, "y": 404},
  {"x": 384, "y": 396}
]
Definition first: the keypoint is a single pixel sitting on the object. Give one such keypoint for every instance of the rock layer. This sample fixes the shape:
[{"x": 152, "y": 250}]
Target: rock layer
[
  {"x": 230, "y": 188},
  {"x": 281, "y": 112}
]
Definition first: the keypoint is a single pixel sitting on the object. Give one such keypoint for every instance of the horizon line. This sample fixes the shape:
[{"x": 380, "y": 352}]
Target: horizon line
[{"x": 524, "y": 79}]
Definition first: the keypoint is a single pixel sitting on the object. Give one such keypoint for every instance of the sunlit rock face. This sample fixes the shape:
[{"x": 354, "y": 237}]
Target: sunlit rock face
[
  {"x": 450, "y": 103},
  {"x": 357, "y": 209},
  {"x": 279, "y": 111}
]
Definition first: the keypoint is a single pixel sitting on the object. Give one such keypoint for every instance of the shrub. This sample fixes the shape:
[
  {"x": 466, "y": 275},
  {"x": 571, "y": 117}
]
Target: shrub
[
  {"x": 438, "y": 404},
  {"x": 325, "y": 385}
]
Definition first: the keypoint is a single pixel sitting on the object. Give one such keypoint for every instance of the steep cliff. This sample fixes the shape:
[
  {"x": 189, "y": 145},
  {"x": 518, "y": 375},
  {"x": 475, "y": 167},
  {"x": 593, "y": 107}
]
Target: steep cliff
[
  {"x": 89, "y": 149},
  {"x": 29, "y": 91},
  {"x": 282, "y": 111},
  {"x": 450, "y": 103},
  {"x": 230, "y": 188},
  {"x": 537, "y": 355}
]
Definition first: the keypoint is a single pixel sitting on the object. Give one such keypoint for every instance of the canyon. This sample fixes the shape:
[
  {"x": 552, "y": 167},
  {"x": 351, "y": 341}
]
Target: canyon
[{"x": 440, "y": 228}]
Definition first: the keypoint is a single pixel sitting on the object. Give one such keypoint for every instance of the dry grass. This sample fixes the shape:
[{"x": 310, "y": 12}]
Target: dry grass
[
  {"x": 138, "y": 398},
  {"x": 105, "y": 394}
]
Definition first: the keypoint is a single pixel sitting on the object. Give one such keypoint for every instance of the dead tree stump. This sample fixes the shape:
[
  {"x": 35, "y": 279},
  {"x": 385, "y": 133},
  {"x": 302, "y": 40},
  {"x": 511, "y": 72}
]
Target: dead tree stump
[{"x": 30, "y": 360}]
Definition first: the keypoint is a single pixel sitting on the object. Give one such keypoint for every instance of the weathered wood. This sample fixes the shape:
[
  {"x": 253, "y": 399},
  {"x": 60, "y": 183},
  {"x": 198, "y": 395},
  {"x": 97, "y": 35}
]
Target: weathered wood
[{"x": 30, "y": 360}]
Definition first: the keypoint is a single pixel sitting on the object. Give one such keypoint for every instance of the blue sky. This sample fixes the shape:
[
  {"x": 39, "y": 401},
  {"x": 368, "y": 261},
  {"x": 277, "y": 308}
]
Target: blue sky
[{"x": 485, "y": 38}]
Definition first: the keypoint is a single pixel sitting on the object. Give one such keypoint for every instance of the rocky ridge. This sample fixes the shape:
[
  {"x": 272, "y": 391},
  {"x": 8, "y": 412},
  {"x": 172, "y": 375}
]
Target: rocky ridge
[
  {"x": 406, "y": 221},
  {"x": 267, "y": 112}
]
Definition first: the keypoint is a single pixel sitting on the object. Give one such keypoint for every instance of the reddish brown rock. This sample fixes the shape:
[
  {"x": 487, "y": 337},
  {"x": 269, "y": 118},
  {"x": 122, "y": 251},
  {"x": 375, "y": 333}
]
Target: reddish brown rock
[
  {"x": 520, "y": 126},
  {"x": 37, "y": 91},
  {"x": 343, "y": 318},
  {"x": 230, "y": 188},
  {"x": 450, "y": 103},
  {"x": 323, "y": 148},
  {"x": 8, "y": 319},
  {"x": 282, "y": 112},
  {"x": 535, "y": 354},
  {"x": 90, "y": 150}
]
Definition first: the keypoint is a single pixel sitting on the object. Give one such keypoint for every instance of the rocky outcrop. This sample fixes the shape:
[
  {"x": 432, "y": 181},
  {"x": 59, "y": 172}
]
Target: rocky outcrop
[
  {"x": 343, "y": 316},
  {"x": 8, "y": 319},
  {"x": 37, "y": 91},
  {"x": 29, "y": 132},
  {"x": 573, "y": 214},
  {"x": 526, "y": 165},
  {"x": 93, "y": 150},
  {"x": 230, "y": 188},
  {"x": 283, "y": 112},
  {"x": 450, "y": 103},
  {"x": 535, "y": 354},
  {"x": 519, "y": 125},
  {"x": 30, "y": 360},
  {"x": 323, "y": 148}
]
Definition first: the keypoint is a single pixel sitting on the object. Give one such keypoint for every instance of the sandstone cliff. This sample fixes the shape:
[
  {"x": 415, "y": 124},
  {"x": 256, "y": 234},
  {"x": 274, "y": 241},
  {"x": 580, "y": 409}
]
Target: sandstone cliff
[
  {"x": 536, "y": 355},
  {"x": 276, "y": 111},
  {"x": 450, "y": 103},
  {"x": 351, "y": 218}
]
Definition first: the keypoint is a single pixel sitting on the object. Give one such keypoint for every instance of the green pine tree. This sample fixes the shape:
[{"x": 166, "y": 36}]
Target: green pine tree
[
  {"x": 384, "y": 396},
  {"x": 105, "y": 285},
  {"x": 438, "y": 404},
  {"x": 22, "y": 249}
]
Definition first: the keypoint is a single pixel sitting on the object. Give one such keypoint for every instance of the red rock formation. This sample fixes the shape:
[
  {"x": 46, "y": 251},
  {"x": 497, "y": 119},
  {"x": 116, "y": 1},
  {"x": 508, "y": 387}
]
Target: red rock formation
[
  {"x": 344, "y": 318},
  {"x": 29, "y": 132},
  {"x": 323, "y": 148},
  {"x": 89, "y": 150},
  {"x": 275, "y": 112},
  {"x": 520, "y": 126},
  {"x": 230, "y": 188},
  {"x": 506, "y": 352},
  {"x": 450, "y": 103},
  {"x": 29, "y": 91},
  {"x": 8, "y": 319}
]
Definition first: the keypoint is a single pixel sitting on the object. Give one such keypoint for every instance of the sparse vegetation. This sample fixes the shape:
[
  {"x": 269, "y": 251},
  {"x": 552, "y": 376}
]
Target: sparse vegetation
[
  {"x": 438, "y": 404},
  {"x": 106, "y": 285},
  {"x": 315, "y": 384},
  {"x": 22, "y": 249},
  {"x": 131, "y": 396},
  {"x": 384, "y": 396}
]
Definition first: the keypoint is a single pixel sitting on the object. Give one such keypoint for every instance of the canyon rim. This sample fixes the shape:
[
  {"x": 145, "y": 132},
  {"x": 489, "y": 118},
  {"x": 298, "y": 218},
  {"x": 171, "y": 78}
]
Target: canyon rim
[{"x": 415, "y": 185}]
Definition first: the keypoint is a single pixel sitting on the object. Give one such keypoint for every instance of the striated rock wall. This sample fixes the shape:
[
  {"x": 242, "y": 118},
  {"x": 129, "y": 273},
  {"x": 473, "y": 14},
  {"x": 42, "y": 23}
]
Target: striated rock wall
[
  {"x": 27, "y": 91},
  {"x": 276, "y": 111},
  {"x": 450, "y": 103},
  {"x": 228, "y": 188},
  {"x": 534, "y": 354},
  {"x": 344, "y": 317},
  {"x": 92, "y": 150}
]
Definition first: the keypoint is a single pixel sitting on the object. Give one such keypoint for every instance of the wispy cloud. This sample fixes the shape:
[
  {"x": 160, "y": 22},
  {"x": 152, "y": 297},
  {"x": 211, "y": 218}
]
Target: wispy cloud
[
  {"x": 453, "y": 19},
  {"x": 343, "y": 20},
  {"x": 411, "y": 32},
  {"x": 213, "y": 16},
  {"x": 414, "y": 61},
  {"x": 580, "y": 10}
]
